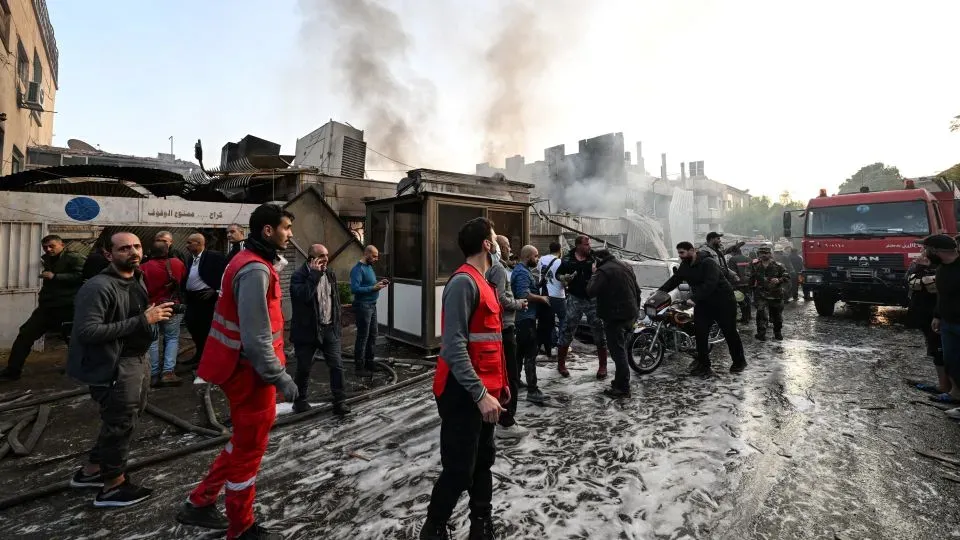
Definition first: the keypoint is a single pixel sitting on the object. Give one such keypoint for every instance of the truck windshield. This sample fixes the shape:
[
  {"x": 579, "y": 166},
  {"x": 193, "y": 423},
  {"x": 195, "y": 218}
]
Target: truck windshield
[{"x": 907, "y": 218}]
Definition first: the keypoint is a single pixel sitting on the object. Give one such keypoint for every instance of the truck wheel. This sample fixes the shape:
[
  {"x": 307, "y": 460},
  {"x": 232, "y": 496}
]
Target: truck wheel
[{"x": 824, "y": 304}]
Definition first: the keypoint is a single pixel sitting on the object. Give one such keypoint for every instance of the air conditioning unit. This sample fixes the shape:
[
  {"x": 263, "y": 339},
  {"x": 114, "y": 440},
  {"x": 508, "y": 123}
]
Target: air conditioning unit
[{"x": 34, "y": 97}]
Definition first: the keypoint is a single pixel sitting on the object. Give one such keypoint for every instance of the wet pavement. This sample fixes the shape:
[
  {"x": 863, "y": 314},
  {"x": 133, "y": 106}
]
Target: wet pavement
[{"x": 818, "y": 439}]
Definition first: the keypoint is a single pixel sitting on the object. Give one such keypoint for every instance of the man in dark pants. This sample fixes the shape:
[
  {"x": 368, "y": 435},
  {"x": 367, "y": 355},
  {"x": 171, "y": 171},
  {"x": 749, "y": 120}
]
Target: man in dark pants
[
  {"x": 552, "y": 316},
  {"x": 470, "y": 400},
  {"x": 796, "y": 261},
  {"x": 204, "y": 273},
  {"x": 618, "y": 296},
  {"x": 740, "y": 264},
  {"x": 767, "y": 277},
  {"x": 523, "y": 284},
  {"x": 366, "y": 291},
  {"x": 578, "y": 266},
  {"x": 499, "y": 276},
  {"x": 315, "y": 326},
  {"x": 113, "y": 329},
  {"x": 714, "y": 303},
  {"x": 62, "y": 275}
]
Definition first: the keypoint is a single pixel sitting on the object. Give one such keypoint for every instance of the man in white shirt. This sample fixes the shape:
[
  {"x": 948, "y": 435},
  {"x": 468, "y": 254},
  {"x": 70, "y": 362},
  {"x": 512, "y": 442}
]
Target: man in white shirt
[
  {"x": 556, "y": 291},
  {"x": 201, "y": 286}
]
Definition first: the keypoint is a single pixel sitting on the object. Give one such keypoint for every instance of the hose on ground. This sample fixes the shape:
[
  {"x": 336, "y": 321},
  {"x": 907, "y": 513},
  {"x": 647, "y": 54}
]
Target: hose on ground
[
  {"x": 13, "y": 438},
  {"x": 212, "y": 412},
  {"x": 43, "y": 399},
  {"x": 180, "y": 422},
  {"x": 43, "y": 415}
]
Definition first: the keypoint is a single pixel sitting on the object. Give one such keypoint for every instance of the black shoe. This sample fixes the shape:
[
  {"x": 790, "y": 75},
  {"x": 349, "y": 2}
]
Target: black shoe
[
  {"x": 778, "y": 336},
  {"x": 81, "y": 480},
  {"x": 126, "y": 494},
  {"x": 434, "y": 531},
  {"x": 341, "y": 409},
  {"x": 207, "y": 517},
  {"x": 760, "y": 337},
  {"x": 616, "y": 393},
  {"x": 257, "y": 532},
  {"x": 738, "y": 367},
  {"x": 301, "y": 405},
  {"x": 703, "y": 370},
  {"x": 9, "y": 375},
  {"x": 363, "y": 373},
  {"x": 481, "y": 528},
  {"x": 534, "y": 395}
]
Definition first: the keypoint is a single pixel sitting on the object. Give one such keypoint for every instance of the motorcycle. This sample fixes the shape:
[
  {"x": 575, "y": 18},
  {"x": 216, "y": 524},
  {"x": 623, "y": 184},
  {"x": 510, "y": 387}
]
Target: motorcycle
[{"x": 663, "y": 326}]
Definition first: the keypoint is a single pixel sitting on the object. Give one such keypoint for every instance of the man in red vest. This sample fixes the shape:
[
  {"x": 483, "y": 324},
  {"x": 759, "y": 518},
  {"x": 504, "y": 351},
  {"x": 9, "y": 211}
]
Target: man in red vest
[
  {"x": 244, "y": 355},
  {"x": 470, "y": 387}
]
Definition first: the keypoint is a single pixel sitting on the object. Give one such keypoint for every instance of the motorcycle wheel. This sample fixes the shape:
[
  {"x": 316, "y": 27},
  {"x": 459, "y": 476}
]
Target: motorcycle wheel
[{"x": 642, "y": 358}]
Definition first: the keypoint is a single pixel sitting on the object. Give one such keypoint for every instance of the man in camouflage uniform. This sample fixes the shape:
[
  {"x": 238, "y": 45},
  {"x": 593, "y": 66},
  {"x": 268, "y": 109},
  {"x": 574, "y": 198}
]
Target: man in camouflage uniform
[{"x": 767, "y": 278}]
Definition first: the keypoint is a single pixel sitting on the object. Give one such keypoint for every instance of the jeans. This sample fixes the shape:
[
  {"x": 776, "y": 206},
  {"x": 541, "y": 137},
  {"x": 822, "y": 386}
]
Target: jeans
[
  {"x": 576, "y": 308},
  {"x": 330, "y": 347},
  {"x": 40, "y": 322},
  {"x": 527, "y": 351},
  {"x": 121, "y": 405},
  {"x": 366, "y": 315},
  {"x": 950, "y": 338},
  {"x": 616, "y": 334},
  {"x": 170, "y": 335},
  {"x": 725, "y": 315},
  {"x": 467, "y": 452},
  {"x": 559, "y": 308},
  {"x": 513, "y": 375}
]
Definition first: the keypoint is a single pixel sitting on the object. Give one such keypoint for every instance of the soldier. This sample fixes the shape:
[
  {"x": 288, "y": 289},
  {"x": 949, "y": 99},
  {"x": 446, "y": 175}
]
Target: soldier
[
  {"x": 767, "y": 277},
  {"x": 740, "y": 264}
]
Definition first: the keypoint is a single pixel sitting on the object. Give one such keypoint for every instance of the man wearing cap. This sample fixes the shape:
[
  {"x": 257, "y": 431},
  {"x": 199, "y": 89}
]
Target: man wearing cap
[
  {"x": 714, "y": 247},
  {"x": 767, "y": 277},
  {"x": 942, "y": 250}
]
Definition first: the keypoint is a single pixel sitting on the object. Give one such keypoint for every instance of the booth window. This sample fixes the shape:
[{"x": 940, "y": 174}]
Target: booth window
[
  {"x": 509, "y": 224},
  {"x": 408, "y": 241},
  {"x": 450, "y": 218},
  {"x": 380, "y": 223}
]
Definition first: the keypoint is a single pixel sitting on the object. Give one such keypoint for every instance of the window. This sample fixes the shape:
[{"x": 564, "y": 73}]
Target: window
[
  {"x": 408, "y": 241},
  {"x": 907, "y": 218},
  {"x": 509, "y": 224},
  {"x": 16, "y": 161},
  {"x": 23, "y": 65},
  {"x": 5, "y": 24},
  {"x": 379, "y": 224},
  {"x": 449, "y": 220},
  {"x": 44, "y": 159},
  {"x": 37, "y": 68}
]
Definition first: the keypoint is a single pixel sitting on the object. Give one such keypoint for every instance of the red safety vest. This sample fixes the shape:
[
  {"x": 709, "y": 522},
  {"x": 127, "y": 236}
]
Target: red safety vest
[
  {"x": 222, "y": 351},
  {"x": 485, "y": 342}
]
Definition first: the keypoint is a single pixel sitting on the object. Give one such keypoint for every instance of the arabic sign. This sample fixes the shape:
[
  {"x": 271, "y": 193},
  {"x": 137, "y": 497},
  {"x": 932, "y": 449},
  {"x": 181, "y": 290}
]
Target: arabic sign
[{"x": 160, "y": 213}]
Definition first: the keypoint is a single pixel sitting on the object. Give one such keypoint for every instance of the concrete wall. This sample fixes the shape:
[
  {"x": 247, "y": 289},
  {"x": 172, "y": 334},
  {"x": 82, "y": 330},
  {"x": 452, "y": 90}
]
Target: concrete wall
[
  {"x": 24, "y": 126},
  {"x": 316, "y": 224},
  {"x": 347, "y": 195}
]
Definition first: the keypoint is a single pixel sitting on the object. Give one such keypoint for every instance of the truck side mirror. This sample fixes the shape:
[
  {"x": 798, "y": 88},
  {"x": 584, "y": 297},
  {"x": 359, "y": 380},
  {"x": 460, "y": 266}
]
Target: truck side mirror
[{"x": 787, "y": 224}]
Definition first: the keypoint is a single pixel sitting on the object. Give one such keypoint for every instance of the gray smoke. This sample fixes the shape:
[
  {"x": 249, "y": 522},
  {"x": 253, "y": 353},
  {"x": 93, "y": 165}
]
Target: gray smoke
[{"x": 369, "y": 61}]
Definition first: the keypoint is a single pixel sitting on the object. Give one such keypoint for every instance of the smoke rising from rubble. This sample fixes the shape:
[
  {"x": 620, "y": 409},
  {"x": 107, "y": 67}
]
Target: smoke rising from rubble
[{"x": 369, "y": 60}]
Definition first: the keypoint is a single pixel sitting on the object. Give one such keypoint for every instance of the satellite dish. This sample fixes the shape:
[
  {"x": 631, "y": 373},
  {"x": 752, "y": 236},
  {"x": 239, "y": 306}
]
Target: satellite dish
[{"x": 77, "y": 144}]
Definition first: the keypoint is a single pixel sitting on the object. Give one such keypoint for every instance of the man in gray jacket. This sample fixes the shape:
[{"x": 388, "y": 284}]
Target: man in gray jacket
[
  {"x": 500, "y": 278},
  {"x": 113, "y": 328}
]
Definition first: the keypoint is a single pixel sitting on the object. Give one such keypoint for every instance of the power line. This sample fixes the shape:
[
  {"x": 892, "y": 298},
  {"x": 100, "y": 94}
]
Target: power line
[{"x": 390, "y": 158}]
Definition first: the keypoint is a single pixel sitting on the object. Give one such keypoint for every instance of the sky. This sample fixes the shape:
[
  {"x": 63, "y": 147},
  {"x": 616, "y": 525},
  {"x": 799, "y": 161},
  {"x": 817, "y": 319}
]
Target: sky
[{"x": 772, "y": 96}]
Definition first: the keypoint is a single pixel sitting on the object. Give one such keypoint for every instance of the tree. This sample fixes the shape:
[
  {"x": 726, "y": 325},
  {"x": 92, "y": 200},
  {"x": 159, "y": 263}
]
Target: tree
[
  {"x": 955, "y": 123},
  {"x": 760, "y": 216},
  {"x": 877, "y": 177}
]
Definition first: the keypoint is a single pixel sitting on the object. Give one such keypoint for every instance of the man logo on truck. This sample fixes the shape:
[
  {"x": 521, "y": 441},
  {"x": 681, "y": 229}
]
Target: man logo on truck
[{"x": 863, "y": 260}]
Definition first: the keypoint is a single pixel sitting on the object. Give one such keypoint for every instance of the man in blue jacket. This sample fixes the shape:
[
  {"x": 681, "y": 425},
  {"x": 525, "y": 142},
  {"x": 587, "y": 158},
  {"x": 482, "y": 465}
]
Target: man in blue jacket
[
  {"x": 315, "y": 326},
  {"x": 366, "y": 291}
]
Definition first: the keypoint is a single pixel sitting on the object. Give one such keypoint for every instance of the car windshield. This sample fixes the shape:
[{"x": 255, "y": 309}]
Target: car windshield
[
  {"x": 907, "y": 218},
  {"x": 651, "y": 276}
]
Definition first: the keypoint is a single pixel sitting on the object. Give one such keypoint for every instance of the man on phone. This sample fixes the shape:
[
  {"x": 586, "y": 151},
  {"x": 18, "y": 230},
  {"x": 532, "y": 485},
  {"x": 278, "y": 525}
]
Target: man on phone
[
  {"x": 315, "y": 326},
  {"x": 470, "y": 386},
  {"x": 366, "y": 291}
]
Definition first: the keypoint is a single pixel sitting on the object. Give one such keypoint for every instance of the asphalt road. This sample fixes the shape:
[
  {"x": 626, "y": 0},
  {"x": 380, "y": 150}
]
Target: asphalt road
[{"x": 819, "y": 438}]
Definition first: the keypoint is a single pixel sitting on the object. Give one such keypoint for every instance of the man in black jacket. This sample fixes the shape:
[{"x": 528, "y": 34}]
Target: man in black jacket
[
  {"x": 96, "y": 260},
  {"x": 112, "y": 331},
  {"x": 579, "y": 264},
  {"x": 235, "y": 238},
  {"x": 618, "y": 296},
  {"x": 315, "y": 326},
  {"x": 202, "y": 284},
  {"x": 714, "y": 302},
  {"x": 61, "y": 276},
  {"x": 714, "y": 247}
]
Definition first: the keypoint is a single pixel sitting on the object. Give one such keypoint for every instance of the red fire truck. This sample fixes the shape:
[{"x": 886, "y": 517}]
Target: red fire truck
[{"x": 857, "y": 247}]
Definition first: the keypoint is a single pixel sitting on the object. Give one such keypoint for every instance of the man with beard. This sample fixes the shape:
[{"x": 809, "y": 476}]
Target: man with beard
[
  {"x": 245, "y": 357},
  {"x": 524, "y": 285},
  {"x": 499, "y": 276},
  {"x": 767, "y": 277},
  {"x": 714, "y": 247},
  {"x": 366, "y": 290},
  {"x": 470, "y": 387},
  {"x": 579, "y": 264},
  {"x": 112, "y": 331},
  {"x": 713, "y": 302}
]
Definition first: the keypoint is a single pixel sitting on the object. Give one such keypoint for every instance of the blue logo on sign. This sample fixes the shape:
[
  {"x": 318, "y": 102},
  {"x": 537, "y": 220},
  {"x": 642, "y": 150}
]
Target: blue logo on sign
[{"x": 82, "y": 208}]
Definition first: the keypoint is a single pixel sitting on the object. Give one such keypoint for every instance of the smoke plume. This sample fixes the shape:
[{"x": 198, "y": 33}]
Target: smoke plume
[{"x": 370, "y": 62}]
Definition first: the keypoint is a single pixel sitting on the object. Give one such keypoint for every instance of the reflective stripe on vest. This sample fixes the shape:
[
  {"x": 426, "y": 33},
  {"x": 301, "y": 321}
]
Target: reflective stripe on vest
[
  {"x": 223, "y": 348},
  {"x": 484, "y": 341}
]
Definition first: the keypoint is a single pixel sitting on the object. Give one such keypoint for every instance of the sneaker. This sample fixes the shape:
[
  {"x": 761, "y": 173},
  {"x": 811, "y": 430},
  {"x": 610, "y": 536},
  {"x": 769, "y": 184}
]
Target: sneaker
[
  {"x": 481, "y": 528},
  {"x": 259, "y": 532},
  {"x": 170, "y": 379},
  {"x": 616, "y": 393},
  {"x": 434, "y": 531},
  {"x": 125, "y": 494},
  {"x": 703, "y": 370},
  {"x": 516, "y": 431},
  {"x": 341, "y": 409},
  {"x": 81, "y": 480},
  {"x": 953, "y": 413},
  {"x": 207, "y": 517},
  {"x": 301, "y": 405},
  {"x": 536, "y": 396}
]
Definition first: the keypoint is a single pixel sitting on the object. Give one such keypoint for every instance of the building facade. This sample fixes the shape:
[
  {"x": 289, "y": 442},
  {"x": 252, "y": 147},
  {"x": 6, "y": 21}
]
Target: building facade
[{"x": 27, "y": 97}]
